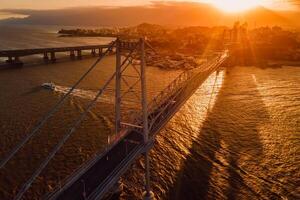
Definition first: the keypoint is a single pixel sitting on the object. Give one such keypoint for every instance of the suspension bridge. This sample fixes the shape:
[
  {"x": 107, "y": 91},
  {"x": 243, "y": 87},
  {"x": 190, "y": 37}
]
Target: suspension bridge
[{"x": 134, "y": 135}]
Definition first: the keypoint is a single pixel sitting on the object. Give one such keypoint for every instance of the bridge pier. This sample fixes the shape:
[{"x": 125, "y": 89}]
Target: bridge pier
[
  {"x": 17, "y": 62},
  {"x": 72, "y": 55},
  {"x": 9, "y": 60},
  {"x": 93, "y": 52},
  {"x": 100, "y": 51},
  {"x": 79, "y": 55},
  {"x": 46, "y": 58},
  {"x": 52, "y": 57}
]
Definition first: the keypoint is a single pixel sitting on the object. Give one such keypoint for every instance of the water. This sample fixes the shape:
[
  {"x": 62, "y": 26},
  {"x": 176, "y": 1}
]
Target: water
[
  {"x": 239, "y": 142},
  {"x": 236, "y": 138},
  {"x": 24, "y": 36}
]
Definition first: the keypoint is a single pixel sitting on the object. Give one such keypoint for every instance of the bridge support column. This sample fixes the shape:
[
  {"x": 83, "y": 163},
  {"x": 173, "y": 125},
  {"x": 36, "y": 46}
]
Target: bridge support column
[
  {"x": 17, "y": 62},
  {"x": 148, "y": 194},
  {"x": 79, "y": 55},
  {"x": 100, "y": 52},
  {"x": 52, "y": 57},
  {"x": 72, "y": 55},
  {"x": 93, "y": 52},
  {"x": 118, "y": 88},
  {"x": 46, "y": 58}
]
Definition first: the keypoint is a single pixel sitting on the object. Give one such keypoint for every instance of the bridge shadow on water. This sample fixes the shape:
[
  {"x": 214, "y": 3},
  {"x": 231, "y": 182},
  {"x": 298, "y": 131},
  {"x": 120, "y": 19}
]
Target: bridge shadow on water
[{"x": 228, "y": 139}]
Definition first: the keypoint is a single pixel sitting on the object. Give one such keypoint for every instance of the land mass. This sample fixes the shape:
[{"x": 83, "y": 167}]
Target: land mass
[{"x": 265, "y": 46}]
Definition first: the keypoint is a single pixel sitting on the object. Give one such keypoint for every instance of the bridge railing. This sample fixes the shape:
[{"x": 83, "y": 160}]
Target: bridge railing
[
  {"x": 169, "y": 91},
  {"x": 164, "y": 98},
  {"x": 179, "y": 82}
]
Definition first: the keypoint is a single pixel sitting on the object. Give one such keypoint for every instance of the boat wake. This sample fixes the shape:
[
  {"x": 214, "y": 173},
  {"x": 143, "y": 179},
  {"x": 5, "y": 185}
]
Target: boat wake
[
  {"x": 107, "y": 97},
  {"x": 85, "y": 94}
]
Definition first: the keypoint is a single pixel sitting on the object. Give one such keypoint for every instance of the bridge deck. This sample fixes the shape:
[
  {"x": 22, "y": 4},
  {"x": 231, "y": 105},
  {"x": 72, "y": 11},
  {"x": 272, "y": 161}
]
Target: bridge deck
[
  {"x": 103, "y": 172},
  {"x": 96, "y": 175},
  {"x": 13, "y": 56},
  {"x": 27, "y": 52}
]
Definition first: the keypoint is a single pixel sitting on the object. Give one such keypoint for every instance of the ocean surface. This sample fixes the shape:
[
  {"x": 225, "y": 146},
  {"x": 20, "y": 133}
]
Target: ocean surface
[{"x": 237, "y": 137}]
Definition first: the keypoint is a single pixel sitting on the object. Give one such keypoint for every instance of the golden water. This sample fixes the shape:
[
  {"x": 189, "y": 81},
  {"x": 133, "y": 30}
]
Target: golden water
[{"x": 237, "y": 137}]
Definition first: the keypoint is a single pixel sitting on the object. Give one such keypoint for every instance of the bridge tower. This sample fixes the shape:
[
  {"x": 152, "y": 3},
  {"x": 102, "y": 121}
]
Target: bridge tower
[{"x": 134, "y": 87}]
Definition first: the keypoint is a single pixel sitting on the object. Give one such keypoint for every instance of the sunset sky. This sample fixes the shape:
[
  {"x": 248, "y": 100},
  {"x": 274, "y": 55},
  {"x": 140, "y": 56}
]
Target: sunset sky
[
  {"x": 54, "y": 4},
  {"x": 129, "y": 12}
]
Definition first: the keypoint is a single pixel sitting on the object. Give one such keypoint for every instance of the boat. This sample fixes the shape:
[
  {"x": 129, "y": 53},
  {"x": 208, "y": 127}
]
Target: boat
[{"x": 49, "y": 86}]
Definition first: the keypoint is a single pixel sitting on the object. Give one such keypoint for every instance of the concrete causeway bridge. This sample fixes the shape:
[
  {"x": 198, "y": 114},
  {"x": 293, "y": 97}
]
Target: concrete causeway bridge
[
  {"x": 49, "y": 54},
  {"x": 134, "y": 136}
]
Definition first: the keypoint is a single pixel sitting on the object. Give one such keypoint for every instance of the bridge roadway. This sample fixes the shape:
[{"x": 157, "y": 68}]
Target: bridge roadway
[
  {"x": 13, "y": 56},
  {"x": 95, "y": 179}
]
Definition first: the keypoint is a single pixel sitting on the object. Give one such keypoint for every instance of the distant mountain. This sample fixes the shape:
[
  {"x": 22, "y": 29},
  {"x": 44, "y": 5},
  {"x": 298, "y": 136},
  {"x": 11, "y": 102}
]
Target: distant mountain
[{"x": 173, "y": 14}]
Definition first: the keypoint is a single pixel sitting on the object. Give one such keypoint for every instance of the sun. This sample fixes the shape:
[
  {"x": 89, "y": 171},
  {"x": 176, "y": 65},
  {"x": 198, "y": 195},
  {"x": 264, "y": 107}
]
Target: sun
[{"x": 235, "y": 5}]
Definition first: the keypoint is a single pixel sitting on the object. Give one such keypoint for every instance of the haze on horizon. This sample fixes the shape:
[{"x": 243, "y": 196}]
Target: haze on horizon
[{"x": 127, "y": 12}]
